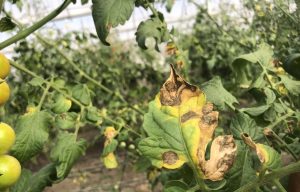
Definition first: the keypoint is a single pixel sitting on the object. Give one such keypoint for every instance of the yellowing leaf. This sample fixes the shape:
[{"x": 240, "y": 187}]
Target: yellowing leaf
[
  {"x": 268, "y": 156},
  {"x": 110, "y": 161},
  {"x": 110, "y": 145},
  {"x": 180, "y": 124}
]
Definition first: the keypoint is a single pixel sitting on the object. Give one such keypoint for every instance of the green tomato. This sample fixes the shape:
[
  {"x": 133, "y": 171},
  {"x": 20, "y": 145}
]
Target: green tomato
[
  {"x": 7, "y": 138},
  {"x": 10, "y": 171}
]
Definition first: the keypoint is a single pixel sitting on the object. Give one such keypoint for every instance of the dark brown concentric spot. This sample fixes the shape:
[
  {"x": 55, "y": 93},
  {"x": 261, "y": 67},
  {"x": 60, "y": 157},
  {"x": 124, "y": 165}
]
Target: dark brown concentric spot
[{"x": 170, "y": 157}]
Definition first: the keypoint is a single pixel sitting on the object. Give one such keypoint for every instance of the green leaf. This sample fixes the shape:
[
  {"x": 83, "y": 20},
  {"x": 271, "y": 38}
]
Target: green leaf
[
  {"x": 66, "y": 120},
  {"x": 61, "y": 104},
  {"x": 37, "y": 82},
  {"x": 66, "y": 152},
  {"x": 217, "y": 94},
  {"x": 23, "y": 182},
  {"x": 84, "y": 2},
  {"x": 270, "y": 96},
  {"x": 37, "y": 182},
  {"x": 6, "y": 24},
  {"x": 291, "y": 85},
  {"x": 175, "y": 186},
  {"x": 242, "y": 124},
  {"x": 93, "y": 114},
  {"x": 111, "y": 147},
  {"x": 110, "y": 13},
  {"x": 255, "y": 111},
  {"x": 242, "y": 171},
  {"x": 32, "y": 131},
  {"x": 82, "y": 93},
  {"x": 245, "y": 73},
  {"x": 152, "y": 28}
]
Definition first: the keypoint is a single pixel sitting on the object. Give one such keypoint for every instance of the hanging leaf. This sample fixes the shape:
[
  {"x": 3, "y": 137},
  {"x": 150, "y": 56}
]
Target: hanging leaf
[
  {"x": 32, "y": 131},
  {"x": 222, "y": 97},
  {"x": 6, "y": 24},
  {"x": 246, "y": 75},
  {"x": 180, "y": 124},
  {"x": 110, "y": 13},
  {"x": 152, "y": 28}
]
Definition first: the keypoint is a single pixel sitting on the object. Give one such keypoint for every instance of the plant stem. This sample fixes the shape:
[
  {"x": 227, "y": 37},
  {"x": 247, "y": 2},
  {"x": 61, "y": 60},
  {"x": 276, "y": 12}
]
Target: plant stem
[
  {"x": 282, "y": 142},
  {"x": 24, "y": 33},
  {"x": 44, "y": 95},
  {"x": 277, "y": 183},
  {"x": 276, "y": 174},
  {"x": 280, "y": 119}
]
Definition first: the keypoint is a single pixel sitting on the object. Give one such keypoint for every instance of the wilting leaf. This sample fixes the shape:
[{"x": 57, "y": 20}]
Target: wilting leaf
[
  {"x": 110, "y": 145},
  {"x": 180, "y": 124}
]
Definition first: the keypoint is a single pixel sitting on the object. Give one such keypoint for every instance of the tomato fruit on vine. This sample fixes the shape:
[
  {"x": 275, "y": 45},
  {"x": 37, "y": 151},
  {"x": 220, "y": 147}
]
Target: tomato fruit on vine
[
  {"x": 7, "y": 138},
  {"x": 4, "y": 92},
  {"x": 4, "y": 66},
  {"x": 10, "y": 171}
]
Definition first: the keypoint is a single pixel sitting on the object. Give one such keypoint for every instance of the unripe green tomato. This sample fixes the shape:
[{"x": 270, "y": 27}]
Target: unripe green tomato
[
  {"x": 131, "y": 146},
  {"x": 10, "y": 171},
  {"x": 122, "y": 144},
  {"x": 7, "y": 138}
]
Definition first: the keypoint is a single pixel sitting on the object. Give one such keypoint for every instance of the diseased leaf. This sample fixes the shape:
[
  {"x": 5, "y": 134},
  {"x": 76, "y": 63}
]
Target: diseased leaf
[
  {"x": 180, "y": 124},
  {"x": 268, "y": 156},
  {"x": 110, "y": 145},
  {"x": 154, "y": 28},
  {"x": 243, "y": 124},
  {"x": 32, "y": 131},
  {"x": 110, "y": 13},
  {"x": 66, "y": 152},
  {"x": 217, "y": 94}
]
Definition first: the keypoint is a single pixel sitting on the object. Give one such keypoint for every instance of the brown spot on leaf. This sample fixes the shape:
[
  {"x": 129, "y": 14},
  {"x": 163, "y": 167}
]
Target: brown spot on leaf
[
  {"x": 170, "y": 157},
  {"x": 222, "y": 155},
  {"x": 189, "y": 115},
  {"x": 175, "y": 90}
]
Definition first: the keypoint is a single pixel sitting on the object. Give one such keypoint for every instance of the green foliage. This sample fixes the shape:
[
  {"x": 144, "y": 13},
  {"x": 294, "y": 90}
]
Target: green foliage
[
  {"x": 65, "y": 153},
  {"x": 32, "y": 134},
  {"x": 249, "y": 66},
  {"x": 154, "y": 28},
  {"x": 223, "y": 98},
  {"x": 110, "y": 13}
]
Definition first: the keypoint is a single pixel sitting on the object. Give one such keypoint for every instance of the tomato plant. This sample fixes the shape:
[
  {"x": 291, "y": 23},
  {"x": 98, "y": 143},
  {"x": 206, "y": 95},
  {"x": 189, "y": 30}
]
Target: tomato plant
[{"x": 224, "y": 119}]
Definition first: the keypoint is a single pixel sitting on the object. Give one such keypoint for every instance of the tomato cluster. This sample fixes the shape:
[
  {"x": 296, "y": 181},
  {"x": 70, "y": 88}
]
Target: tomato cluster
[{"x": 10, "y": 168}]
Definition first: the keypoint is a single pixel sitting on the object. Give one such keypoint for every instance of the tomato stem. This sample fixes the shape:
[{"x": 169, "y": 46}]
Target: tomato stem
[
  {"x": 26, "y": 32},
  {"x": 268, "y": 178}
]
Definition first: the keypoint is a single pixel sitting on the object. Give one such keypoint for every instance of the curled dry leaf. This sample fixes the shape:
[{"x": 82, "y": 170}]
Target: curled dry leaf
[
  {"x": 268, "y": 156},
  {"x": 180, "y": 124}
]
